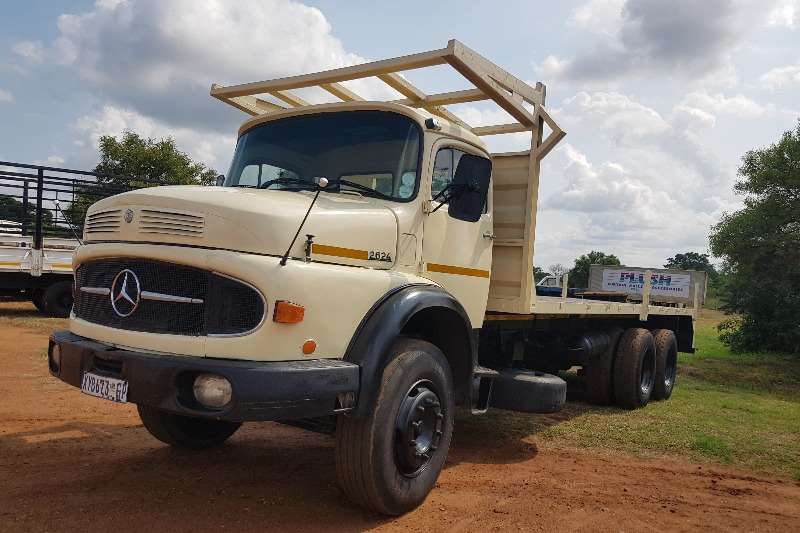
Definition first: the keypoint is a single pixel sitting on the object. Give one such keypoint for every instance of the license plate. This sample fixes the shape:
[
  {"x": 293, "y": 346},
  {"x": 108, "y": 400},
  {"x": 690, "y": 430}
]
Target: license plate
[{"x": 112, "y": 389}]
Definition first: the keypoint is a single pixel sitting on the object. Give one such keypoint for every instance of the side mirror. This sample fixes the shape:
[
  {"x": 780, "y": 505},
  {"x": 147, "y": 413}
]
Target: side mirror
[
  {"x": 470, "y": 185},
  {"x": 220, "y": 181}
]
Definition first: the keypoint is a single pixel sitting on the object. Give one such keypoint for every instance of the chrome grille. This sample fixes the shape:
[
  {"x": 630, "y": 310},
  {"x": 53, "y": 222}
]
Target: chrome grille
[{"x": 174, "y": 299}]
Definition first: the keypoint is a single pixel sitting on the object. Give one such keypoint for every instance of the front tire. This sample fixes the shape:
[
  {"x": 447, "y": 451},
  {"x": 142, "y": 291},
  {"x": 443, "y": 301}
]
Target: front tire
[
  {"x": 186, "y": 431},
  {"x": 389, "y": 461}
]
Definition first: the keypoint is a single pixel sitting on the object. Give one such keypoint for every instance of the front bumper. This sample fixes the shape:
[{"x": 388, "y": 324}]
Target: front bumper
[{"x": 261, "y": 390}]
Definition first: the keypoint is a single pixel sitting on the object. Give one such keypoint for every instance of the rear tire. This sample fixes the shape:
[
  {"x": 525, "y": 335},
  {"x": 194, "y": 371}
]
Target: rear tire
[
  {"x": 389, "y": 461},
  {"x": 634, "y": 369},
  {"x": 666, "y": 363},
  {"x": 37, "y": 297},
  {"x": 186, "y": 431},
  {"x": 57, "y": 299},
  {"x": 600, "y": 372}
]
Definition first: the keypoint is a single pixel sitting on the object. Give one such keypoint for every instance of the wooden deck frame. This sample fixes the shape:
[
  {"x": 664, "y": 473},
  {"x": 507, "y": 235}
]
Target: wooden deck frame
[{"x": 489, "y": 82}]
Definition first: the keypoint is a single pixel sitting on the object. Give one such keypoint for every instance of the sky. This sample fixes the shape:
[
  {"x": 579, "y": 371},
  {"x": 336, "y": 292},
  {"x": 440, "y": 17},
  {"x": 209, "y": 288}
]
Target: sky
[{"x": 660, "y": 99}]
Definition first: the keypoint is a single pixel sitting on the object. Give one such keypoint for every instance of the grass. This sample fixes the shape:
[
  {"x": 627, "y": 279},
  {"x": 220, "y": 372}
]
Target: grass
[
  {"x": 25, "y": 315},
  {"x": 733, "y": 409}
]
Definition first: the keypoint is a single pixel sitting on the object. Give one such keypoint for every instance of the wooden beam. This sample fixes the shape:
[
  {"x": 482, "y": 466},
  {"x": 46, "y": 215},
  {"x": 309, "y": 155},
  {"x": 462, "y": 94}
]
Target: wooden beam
[
  {"x": 291, "y": 99},
  {"x": 250, "y": 104},
  {"x": 365, "y": 70},
  {"x": 403, "y": 86},
  {"x": 505, "y": 79},
  {"x": 500, "y": 129},
  {"x": 448, "y": 98},
  {"x": 556, "y": 133},
  {"x": 447, "y": 115},
  {"x": 413, "y": 93},
  {"x": 498, "y": 93},
  {"x": 341, "y": 92}
]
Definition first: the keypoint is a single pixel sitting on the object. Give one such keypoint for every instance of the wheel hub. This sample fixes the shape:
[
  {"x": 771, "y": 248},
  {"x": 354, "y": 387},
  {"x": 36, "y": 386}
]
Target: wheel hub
[{"x": 418, "y": 429}]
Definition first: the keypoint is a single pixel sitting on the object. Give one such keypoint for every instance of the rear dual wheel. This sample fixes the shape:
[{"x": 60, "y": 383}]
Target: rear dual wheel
[
  {"x": 389, "y": 461},
  {"x": 666, "y": 346},
  {"x": 634, "y": 369}
]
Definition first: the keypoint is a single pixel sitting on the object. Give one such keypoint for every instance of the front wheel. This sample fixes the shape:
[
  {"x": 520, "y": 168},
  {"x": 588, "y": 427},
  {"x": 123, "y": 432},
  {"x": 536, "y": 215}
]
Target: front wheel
[
  {"x": 389, "y": 461},
  {"x": 186, "y": 431}
]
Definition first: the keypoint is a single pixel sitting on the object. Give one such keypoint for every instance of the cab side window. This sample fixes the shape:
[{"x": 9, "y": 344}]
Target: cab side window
[{"x": 444, "y": 167}]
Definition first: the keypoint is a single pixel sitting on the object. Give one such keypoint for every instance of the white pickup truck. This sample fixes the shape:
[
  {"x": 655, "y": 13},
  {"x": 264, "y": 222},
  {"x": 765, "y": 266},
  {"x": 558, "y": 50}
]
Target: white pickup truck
[{"x": 366, "y": 262}]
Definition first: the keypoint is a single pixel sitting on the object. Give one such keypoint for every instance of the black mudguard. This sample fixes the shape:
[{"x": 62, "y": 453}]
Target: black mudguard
[{"x": 369, "y": 347}]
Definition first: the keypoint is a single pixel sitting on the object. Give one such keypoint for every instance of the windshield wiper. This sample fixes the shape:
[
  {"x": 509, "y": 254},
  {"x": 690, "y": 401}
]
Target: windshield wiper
[
  {"x": 300, "y": 183},
  {"x": 364, "y": 188}
]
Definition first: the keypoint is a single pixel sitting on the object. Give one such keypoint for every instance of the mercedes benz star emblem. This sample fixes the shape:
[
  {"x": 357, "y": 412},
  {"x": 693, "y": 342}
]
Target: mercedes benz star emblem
[
  {"x": 125, "y": 293},
  {"x": 129, "y": 215}
]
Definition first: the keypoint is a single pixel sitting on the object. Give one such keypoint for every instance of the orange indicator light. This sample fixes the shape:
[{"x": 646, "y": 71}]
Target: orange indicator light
[
  {"x": 288, "y": 312},
  {"x": 309, "y": 346}
]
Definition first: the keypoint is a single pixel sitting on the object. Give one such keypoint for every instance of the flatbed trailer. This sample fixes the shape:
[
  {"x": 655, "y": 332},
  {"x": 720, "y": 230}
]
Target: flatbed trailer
[
  {"x": 40, "y": 229},
  {"x": 366, "y": 263}
]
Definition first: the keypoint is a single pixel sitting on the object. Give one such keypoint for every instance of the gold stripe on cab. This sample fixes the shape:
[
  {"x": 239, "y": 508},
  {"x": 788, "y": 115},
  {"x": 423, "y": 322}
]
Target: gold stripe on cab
[
  {"x": 460, "y": 271},
  {"x": 336, "y": 251}
]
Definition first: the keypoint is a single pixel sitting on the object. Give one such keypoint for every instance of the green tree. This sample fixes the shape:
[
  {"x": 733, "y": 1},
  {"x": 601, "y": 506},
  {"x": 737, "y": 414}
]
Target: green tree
[
  {"x": 760, "y": 244},
  {"x": 13, "y": 210},
  {"x": 579, "y": 274},
  {"x": 134, "y": 162}
]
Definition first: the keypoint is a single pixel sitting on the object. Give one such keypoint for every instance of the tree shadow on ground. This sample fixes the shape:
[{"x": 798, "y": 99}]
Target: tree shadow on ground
[{"x": 118, "y": 476}]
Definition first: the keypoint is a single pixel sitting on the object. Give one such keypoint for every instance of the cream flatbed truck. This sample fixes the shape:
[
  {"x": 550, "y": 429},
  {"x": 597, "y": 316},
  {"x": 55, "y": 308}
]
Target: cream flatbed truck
[{"x": 364, "y": 260}]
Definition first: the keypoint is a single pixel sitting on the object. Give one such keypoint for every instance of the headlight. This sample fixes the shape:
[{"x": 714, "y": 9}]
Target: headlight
[{"x": 212, "y": 391}]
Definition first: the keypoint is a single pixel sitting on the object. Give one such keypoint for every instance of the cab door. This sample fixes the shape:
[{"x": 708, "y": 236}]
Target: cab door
[{"x": 457, "y": 238}]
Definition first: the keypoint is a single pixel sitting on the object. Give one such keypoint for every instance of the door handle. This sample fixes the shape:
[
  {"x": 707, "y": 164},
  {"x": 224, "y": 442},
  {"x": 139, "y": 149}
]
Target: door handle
[{"x": 488, "y": 235}]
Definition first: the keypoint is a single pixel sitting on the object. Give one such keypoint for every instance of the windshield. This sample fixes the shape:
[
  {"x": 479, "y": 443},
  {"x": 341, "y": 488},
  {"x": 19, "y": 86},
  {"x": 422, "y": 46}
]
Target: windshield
[{"x": 373, "y": 153}]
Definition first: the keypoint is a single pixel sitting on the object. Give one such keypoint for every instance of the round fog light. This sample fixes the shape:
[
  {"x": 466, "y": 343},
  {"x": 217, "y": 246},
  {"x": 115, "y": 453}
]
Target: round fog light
[{"x": 212, "y": 391}]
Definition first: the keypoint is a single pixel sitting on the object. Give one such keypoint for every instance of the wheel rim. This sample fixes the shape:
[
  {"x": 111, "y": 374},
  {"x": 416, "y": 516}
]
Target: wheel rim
[
  {"x": 647, "y": 377},
  {"x": 419, "y": 428}
]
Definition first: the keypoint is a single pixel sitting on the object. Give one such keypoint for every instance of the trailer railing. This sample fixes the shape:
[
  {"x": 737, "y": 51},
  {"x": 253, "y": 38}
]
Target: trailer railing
[{"x": 41, "y": 202}]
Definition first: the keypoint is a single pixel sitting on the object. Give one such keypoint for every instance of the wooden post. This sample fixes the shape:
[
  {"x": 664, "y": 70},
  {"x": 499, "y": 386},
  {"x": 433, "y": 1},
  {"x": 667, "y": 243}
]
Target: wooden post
[
  {"x": 645, "y": 309},
  {"x": 564, "y": 285}
]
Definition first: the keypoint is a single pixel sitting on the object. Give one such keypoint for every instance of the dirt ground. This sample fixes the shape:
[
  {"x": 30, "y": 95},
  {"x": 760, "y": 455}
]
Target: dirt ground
[{"x": 69, "y": 462}]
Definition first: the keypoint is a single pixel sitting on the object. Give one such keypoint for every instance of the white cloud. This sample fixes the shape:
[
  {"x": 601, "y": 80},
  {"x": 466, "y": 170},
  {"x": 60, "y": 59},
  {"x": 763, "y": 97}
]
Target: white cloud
[
  {"x": 160, "y": 58},
  {"x": 778, "y": 78},
  {"x": 6, "y": 96},
  {"x": 786, "y": 14},
  {"x": 739, "y": 105},
  {"x": 51, "y": 161},
  {"x": 213, "y": 149},
  {"x": 635, "y": 37},
  {"x": 32, "y": 51},
  {"x": 601, "y": 16},
  {"x": 692, "y": 117},
  {"x": 619, "y": 115}
]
